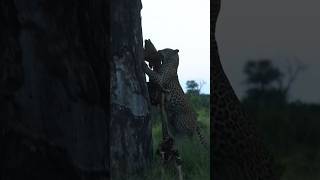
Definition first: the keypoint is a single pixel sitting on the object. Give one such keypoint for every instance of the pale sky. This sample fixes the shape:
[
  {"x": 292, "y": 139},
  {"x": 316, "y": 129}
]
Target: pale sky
[
  {"x": 279, "y": 30},
  {"x": 183, "y": 25}
]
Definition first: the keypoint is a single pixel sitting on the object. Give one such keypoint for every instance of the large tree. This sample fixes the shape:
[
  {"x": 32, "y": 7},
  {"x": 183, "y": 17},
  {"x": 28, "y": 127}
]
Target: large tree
[
  {"x": 55, "y": 118},
  {"x": 130, "y": 120}
]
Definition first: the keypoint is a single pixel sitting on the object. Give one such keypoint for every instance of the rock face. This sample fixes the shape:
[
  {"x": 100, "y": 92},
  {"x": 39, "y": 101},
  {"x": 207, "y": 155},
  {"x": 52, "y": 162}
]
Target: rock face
[{"x": 54, "y": 90}]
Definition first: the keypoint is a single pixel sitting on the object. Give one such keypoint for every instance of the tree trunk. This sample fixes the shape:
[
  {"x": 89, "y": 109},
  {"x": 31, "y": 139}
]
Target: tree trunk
[
  {"x": 53, "y": 89},
  {"x": 131, "y": 142}
]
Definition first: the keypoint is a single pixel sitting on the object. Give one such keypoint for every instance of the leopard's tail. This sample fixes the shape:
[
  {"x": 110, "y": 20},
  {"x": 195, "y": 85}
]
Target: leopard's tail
[{"x": 202, "y": 138}]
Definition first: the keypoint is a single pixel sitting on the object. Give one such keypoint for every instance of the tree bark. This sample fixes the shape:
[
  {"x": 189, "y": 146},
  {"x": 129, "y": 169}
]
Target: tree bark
[
  {"x": 131, "y": 142},
  {"x": 55, "y": 121},
  {"x": 53, "y": 89}
]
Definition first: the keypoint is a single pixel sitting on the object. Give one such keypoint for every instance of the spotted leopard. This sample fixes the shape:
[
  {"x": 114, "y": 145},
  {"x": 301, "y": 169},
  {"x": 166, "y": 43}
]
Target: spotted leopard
[{"x": 182, "y": 119}]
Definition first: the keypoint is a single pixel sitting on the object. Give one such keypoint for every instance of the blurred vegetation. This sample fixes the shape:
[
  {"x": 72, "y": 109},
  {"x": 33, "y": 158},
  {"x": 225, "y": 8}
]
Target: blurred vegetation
[
  {"x": 195, "y": 159},
  {"x": 291, "y": 130}
]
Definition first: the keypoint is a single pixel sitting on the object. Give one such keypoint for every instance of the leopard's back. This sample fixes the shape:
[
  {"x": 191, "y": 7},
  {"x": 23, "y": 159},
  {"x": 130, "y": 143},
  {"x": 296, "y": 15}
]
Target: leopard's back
[
  {"x": 181, "y": 115},
  {"x": 182, "y": 118}
]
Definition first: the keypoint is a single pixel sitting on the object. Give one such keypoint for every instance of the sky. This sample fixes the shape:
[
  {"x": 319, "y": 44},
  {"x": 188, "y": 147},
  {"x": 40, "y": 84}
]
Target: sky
[
  {"x": 278, "y": 30},
  {"x": 183, "y": 25}
]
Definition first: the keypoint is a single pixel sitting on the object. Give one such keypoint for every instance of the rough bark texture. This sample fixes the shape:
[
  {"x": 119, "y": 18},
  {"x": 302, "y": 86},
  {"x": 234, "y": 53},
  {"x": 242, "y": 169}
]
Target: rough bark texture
[
  {"x": 131, "y": 146},
  {"x": 53, "y": 89}
]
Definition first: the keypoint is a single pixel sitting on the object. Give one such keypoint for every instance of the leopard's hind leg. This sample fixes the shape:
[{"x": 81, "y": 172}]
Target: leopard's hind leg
[{"x": 167, "y": 151}]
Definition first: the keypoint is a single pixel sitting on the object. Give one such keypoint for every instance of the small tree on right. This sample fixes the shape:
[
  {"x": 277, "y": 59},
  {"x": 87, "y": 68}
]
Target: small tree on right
[
  {"x": 193, "y": 87},
  {"x": 265, "y": 81}
]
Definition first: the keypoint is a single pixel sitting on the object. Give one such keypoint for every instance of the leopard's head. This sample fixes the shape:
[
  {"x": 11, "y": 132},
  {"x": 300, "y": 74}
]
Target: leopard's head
[{"x": 169, "y": 55}]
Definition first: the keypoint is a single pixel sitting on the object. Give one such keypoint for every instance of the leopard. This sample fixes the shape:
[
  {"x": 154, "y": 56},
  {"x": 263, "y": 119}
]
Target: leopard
[
  {"x": 238, "y": 150},
  {"x": 181, "y": 117}
]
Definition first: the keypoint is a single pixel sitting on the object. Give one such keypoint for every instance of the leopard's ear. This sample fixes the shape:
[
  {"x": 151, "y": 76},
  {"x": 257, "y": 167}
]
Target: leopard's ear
[{"x": 176, "y": 51}]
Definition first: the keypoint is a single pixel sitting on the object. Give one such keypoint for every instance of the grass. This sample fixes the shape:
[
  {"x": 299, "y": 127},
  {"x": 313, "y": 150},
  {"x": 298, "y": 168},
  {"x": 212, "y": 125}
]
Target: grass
[
  {"x": 195, "y": 159},
  {"x": 292, "y": 133}
]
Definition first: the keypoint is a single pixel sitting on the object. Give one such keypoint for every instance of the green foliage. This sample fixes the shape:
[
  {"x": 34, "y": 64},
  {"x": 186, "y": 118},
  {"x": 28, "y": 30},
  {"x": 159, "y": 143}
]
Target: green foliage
[
  {"x": 292, "y": 132},
  {"x": 199, "y": 101},
  {"x": 261, "y": 73},
  {"x": 261, "y": 76},
  {"x": 193, "y": 87},
  {"x": 270, "y": 97}
]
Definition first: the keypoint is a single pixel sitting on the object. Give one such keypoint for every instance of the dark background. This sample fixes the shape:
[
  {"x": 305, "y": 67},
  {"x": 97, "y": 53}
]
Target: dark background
[
  {"x": 279, "y": 30},
  {"x": 284, "y": 33}
]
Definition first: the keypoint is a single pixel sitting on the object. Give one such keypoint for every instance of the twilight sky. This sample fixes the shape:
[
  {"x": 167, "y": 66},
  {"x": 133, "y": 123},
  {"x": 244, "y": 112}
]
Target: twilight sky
[
  {"x": 247, "y": 29},
  {"x": 279, "y": 30},
  {"x": 183, "y": 25}
]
